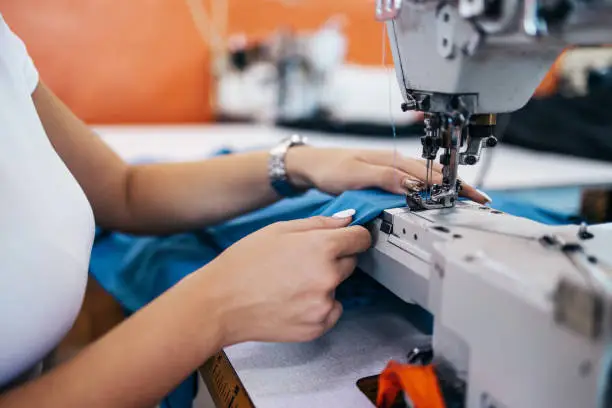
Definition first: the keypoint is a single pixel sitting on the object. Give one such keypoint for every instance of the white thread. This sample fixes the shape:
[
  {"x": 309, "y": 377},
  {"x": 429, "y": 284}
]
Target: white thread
[{"x": 393, "y": 129}]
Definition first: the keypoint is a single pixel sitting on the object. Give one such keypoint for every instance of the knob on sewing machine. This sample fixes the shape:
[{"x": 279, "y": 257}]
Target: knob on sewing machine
[{"x": 462, "y": 62}]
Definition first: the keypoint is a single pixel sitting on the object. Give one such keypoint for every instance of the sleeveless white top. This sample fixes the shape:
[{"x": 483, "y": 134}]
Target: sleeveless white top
[{"x": 46, "y": 225}]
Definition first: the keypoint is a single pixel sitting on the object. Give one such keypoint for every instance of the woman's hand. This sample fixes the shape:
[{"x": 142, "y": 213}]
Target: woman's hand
[
  {"x": 278, "y": 283},
  {"x": 337, "y": 170}
]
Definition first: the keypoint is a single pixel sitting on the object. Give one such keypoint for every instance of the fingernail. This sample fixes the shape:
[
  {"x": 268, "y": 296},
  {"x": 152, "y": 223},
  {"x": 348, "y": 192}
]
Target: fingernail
[
  {"x": 485, "y": 195},
  {"x": 412, "y": 185},
  {"x": 344, "y": 213}
]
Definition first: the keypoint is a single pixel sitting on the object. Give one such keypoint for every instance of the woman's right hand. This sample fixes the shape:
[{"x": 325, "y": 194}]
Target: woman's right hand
[{"x": 278, "y": 283}]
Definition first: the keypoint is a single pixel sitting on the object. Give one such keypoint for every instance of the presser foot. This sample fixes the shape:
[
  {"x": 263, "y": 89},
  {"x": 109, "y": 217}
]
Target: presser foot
[{"x": 442, "y": 196}]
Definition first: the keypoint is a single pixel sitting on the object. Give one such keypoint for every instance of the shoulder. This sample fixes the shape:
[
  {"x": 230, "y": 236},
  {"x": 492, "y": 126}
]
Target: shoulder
[{"x": 14, "y": 55}]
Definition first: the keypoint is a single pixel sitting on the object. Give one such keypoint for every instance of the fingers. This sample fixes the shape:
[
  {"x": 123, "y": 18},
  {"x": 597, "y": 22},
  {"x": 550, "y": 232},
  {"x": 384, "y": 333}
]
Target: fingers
[
  {"x": 388, "y": 178},
  {"x": 396, "y": 173},
  {"x": 333, "y": 316},
  {"x": 436, "y": 166},
  {"x": 420, "y": 172},
  {"x": 398, "y": 160},
  {"x": 393, "y": 180},
  {"x": 349, "y": 241}
]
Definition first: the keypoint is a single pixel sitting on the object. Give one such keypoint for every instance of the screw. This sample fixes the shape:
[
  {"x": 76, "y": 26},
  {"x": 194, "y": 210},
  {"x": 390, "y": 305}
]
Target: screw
[
  {"x": 583, "y": 232},
  {"x": 491, "y": 141},
  {"x": 470, "y": 160}
]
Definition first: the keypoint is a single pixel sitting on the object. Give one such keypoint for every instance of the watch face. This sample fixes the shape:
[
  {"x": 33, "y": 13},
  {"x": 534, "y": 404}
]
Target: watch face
[
  {"x": 277, "y": 172},
  {"x": 297, "y": 139}
]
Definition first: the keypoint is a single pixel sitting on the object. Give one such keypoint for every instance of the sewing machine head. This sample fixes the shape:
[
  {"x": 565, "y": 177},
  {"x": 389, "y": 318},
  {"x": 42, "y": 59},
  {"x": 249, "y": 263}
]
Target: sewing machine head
[{"x": 461, "y": 62}]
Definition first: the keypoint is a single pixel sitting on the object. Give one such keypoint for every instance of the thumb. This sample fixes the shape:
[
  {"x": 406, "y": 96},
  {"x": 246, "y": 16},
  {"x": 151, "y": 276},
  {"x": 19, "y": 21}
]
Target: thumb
[{"x": 339, "y": 220}]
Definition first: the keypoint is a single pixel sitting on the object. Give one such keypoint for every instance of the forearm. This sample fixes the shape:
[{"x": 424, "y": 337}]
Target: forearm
[
  {"x": 172, "y": 197},
  {"x": 137, "y": 363}
]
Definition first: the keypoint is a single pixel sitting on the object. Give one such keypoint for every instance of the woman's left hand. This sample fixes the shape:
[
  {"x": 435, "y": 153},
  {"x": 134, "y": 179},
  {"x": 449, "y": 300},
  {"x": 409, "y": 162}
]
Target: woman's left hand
[{"x": 337, "y": 170}]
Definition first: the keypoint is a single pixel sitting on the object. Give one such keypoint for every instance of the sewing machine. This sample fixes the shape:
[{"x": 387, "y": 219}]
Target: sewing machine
[{"x": 522, "y": 311}]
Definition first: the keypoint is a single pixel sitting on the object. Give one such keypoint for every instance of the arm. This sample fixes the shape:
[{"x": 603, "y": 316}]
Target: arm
[
  {"x": 138, "y": 362},
  {"x": 158, "y": 198}
]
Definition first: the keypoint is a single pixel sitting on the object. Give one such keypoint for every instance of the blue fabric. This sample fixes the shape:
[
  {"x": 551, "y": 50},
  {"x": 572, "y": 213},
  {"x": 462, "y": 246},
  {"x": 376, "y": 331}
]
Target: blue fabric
[
  {"x": 368, "y": 204},
  {"x": 508, "y": 202},
  {"x": 136, "y": 270},
  {"x": 292, "y": 208}
]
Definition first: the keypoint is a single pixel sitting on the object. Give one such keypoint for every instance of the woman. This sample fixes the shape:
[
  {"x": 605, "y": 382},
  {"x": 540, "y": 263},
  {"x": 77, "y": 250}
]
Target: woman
[{"x": 57, "y": 177}]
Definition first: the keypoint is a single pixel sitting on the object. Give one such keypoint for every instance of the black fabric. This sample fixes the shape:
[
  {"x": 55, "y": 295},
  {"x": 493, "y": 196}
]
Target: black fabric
[
  {"x": 353, "y": 128},
  {"x": 322, "y": 121},
  {"x": 578, "y": 126}
]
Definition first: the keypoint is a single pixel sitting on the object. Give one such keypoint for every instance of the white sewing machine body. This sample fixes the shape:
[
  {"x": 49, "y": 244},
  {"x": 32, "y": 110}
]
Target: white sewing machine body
[
  {"x": 513, "y": 333},
  {"x": 522, "y": 311}
]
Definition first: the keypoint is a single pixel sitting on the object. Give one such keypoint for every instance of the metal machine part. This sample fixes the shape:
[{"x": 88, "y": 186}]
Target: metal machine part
[
  {"x": 458, "y": 59},
  {"x": 494, "y": 52},
  {"x": 522, "y": 311},
  {"x": 461, "y": 142}
]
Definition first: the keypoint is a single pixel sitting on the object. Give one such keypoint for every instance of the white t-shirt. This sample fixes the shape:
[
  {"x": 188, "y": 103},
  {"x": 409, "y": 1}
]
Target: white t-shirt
[{"x": 46, "y": 225}]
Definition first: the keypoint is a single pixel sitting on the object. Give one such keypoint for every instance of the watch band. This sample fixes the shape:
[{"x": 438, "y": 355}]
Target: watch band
[{"x": 277, "y": 169}]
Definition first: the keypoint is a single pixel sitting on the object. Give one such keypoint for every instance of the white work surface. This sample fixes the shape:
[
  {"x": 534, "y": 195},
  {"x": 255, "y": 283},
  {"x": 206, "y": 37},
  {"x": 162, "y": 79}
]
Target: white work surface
[
  {"x": 323, "y": 373},
  {"x": 511, "y": 167}
]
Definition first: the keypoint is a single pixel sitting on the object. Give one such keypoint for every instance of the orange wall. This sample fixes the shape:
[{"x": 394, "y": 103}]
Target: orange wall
[
  {"x": 139, "y": 61},
  {"x": 136, "y": 61},
  {"x": 142, "y": 60}
]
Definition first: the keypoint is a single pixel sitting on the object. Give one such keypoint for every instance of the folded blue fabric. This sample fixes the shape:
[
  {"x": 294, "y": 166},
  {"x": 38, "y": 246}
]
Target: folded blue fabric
[
  {"x": 368, "y": 204},
  {"x": 288, "y": 209}
]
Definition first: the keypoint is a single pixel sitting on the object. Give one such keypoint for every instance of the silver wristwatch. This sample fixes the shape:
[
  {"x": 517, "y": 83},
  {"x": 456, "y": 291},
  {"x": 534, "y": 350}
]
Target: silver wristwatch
[{"x": 277, "y": 169}]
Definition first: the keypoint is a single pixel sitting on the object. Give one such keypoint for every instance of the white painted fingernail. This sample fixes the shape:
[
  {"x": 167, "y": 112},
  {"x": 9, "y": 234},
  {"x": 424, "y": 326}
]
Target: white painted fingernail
[
  {"x": 485, "y": 195},
  {"x": 344, "y": 213}
]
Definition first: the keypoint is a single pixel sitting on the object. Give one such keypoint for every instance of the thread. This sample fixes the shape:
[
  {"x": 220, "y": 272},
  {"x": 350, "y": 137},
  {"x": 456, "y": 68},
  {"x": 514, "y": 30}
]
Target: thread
[{"x": 390, "y": 98}]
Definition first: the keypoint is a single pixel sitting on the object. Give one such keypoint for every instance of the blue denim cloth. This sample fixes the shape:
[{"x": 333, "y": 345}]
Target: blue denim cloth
[{"x": 136, "y": 270}]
